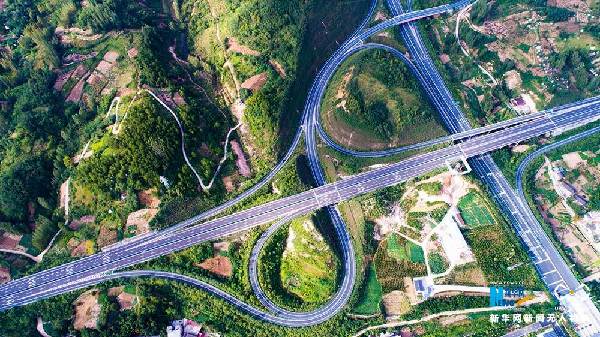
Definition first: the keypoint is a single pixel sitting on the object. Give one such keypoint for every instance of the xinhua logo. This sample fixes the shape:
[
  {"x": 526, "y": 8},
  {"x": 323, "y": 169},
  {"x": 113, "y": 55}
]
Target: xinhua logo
[
  {"x": 497, "y": 297},
  {"x": 505, "y": 296}
]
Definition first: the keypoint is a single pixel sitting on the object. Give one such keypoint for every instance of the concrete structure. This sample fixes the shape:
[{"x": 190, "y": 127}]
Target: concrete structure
[
  {"x": 185, "y": 328},
  {"x": 423, "y": 287},
  {"x": 456, "y": 248},
  {"x": 100, "y": 267}
]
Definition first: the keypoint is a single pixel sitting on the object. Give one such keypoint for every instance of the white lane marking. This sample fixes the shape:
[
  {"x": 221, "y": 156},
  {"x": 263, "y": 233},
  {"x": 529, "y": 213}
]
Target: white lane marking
[
  {"x": 550, "y": 272},
  {"x": 316, "y": 198},
  {"x": 360, "y": 187},
  {"x": 338, "y": 193},
  {"x": 555, "y": 282},
  {"x": 462, "y": 151}
]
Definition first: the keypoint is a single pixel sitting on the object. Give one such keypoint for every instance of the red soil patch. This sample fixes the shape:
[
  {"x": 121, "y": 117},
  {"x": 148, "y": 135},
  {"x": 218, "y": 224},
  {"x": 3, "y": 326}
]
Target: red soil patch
[
  {"x": 132, "y": 53},
  {"x": 104, "y": 67},
  {"x": 76, "y": 58},
  {"x": 444, "y": 58},
  {"x": 111, "y": 56},
  {"x": 148, "y": 198},
  {"x": 95, "y": 79},
  {"x": 77, "y": 223},
  {"x": 255, "y": 82},
  {"x": 106, "y": 237},
  {"x": 9, "y": 241},
  {"x": 229, "y": 184},
  {"x": 62, "y": 79},
  {"x": 380, "y": 16},
  {"x": 141, "y": 219},
  {"x": 178, "y": 99},
  {"x": 278, "y": 68},
  {"x": 75, "y": 94},
  {"x": 218, "y": 265},
  {"x": 4, "y": 272},
  {"x": 205, "y": 151},
  {"x": 234, "y": 46},
  {"x": 78, "y": 248},
  {"x": 126, "y": 300},
  {"x": 87, "y": 310},
  {"x": 241, "y": 162}
]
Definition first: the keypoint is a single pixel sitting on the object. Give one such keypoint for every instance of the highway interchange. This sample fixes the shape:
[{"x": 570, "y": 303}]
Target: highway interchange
[
  {"x": 113, "y": 256},
  {"x": 468, "y": 143},
  {"x": 554, "y": 271}
]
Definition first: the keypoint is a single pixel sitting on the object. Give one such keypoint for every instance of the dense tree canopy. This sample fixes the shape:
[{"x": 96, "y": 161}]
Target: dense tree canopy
[
  {"x": 24, "y": 181},
  {"x": 105, "y": 15},
  {"x": 148, "y": 145}
]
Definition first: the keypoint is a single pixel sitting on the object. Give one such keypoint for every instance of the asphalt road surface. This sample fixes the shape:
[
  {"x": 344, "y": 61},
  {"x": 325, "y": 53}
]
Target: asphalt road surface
[
  {"x": 470, "y": 143},
  {"x": 553, "y": 270},
  {"x": 71, "y": 276}
]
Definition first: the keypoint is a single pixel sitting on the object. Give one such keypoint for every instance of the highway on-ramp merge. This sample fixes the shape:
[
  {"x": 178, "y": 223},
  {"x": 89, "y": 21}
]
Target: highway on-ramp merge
[
  {"x": 467, "y": 143},
  {"x": 66, "y": 278}
]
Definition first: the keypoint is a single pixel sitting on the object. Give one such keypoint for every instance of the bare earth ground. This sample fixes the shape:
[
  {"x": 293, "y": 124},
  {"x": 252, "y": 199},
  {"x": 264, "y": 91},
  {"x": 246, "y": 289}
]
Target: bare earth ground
[
  {"x": 255, "y": 82},
  {"x": 87, "y": 310},
  {"x": 278, "y": 68},
  {"x": 234, "y": 46},
  {"x": 555, "y": 214},
  {"x": 396, "y": 303},
  {"x": 218, "y": 265}
]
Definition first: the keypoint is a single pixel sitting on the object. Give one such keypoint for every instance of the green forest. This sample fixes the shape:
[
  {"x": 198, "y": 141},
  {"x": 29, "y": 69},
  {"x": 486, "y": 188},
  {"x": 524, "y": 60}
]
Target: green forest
[
  {"x": 375, "y": 97},
  {"x": 64, "y": 64}
]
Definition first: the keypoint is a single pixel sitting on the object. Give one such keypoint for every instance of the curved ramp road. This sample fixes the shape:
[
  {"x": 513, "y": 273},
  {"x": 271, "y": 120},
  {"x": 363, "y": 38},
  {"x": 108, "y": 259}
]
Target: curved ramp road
[
  {"x": 453, "y": 137},
  {"x": 130, "y": 249},
  {"x": 253, "y": 267},
  {"x": 535, "y": 154},
  {"x": 69, "y": 277},
  {"x": 99, "y": 267},
  {"x": 292, "y": 320},
  {"x": 382, "y": 153},
  {"x": 553, "y": 270}
]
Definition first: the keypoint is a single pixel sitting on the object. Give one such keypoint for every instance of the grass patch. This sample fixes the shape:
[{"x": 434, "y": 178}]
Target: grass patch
[
  {"x": 439, "y": 213},
  {"x": 524, "y": 47},
  {"x": 474, "y": 210},
  {"x": 402, "y": 249},
  {"x": 371, "y": 294},
  {"x": 437, "y": 263},
  {"x": 308, "y": 265},
  {"x": 373, "y": 102},
  {"x": 432, "y": 188},
  {"x": 390, "y": 270},
  {"x": 395, "y": 249},
  {"x": 415, "y": 220},
  {"x": 416, "y": 253}
]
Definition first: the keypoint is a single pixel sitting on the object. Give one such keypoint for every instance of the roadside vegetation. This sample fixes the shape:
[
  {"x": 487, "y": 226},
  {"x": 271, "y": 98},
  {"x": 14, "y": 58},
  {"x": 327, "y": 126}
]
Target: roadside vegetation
[
  {"x": 141, "y": 167},
  {"x": 308, "y": 266},
  {"x": 562, "y": 217},
  {"x": 513, "y": 58},
  {"x": 47, "y": 134},
  {"x": 298, "y": 269},
  {"x": 390, "y": 258},
  {"x": 369, "y": 302},
  {"x": 374, "y": 102}
]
